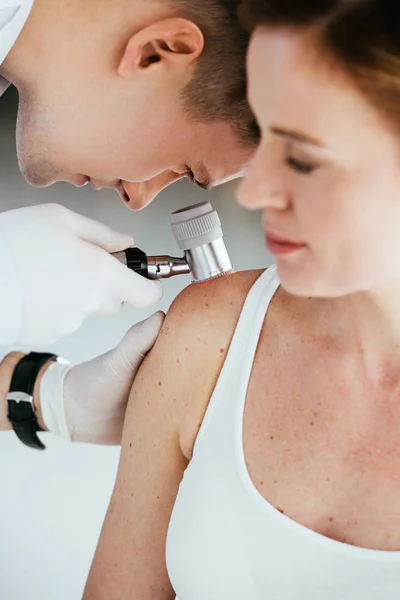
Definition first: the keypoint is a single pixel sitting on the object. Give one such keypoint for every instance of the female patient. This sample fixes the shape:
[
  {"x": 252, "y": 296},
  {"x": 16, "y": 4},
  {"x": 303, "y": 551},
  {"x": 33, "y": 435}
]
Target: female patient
[{"x": 261, "y": 453}]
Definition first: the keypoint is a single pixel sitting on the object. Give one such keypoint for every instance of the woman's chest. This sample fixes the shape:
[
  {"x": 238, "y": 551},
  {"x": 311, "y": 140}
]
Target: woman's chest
[
  {"x": 225, "y": 540},
  {"x": 317, "y": 456}
]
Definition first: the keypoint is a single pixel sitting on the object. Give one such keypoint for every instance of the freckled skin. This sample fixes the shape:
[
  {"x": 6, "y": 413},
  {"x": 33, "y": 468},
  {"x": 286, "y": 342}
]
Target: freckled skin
[{"x": 344, "y": 487}]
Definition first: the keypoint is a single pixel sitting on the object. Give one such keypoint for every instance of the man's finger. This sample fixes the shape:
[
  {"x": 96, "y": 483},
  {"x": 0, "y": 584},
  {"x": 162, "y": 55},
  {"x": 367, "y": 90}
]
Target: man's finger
[
  {"x": 142, "y": 336},
  {"x": 133, "y": 288},
  {"x": 99, "y": 234}
]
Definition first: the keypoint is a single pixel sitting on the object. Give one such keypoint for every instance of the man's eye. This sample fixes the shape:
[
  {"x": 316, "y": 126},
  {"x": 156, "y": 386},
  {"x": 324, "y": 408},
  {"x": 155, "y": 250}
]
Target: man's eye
[{"x": 299, "y": 166}]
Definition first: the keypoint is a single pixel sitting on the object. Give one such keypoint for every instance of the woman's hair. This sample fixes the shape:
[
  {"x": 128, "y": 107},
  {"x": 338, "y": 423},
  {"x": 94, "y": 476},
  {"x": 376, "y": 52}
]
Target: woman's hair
[{"x": 362, "y": 37}]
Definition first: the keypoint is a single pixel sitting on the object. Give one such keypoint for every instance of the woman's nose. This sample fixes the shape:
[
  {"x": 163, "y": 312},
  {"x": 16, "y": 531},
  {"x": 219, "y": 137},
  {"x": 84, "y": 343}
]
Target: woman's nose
[
  {"x": 142, "y": 193},
  {"x": 264, "y": 185}
]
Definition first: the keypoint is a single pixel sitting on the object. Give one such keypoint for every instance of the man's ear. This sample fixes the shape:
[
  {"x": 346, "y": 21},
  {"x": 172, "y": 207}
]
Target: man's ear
[{"x": 174, "y": 42}]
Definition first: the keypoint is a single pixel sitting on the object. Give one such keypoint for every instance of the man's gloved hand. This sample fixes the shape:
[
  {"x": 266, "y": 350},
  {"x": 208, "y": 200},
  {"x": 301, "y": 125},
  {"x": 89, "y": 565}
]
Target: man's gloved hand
[
  {"x": 87, "y": 403},
  {"x": 65, "y": 272}
]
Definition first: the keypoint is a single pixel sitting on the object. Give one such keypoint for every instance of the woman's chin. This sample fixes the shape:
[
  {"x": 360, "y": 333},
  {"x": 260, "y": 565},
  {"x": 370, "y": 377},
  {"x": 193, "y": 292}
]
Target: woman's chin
[{"x": 305, "y": 281}]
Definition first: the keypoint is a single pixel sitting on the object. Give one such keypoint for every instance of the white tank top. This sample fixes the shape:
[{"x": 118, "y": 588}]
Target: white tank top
[{"x": 225, "y": 541}]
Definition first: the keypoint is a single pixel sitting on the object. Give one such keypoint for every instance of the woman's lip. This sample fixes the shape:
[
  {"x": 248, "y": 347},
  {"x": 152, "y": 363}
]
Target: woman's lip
[{"x": 279, "y": 245}]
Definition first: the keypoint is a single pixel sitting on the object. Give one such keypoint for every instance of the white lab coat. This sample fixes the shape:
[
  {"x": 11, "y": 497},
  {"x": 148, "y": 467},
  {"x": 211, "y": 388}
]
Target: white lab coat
[{"x": 13, "y": 16}]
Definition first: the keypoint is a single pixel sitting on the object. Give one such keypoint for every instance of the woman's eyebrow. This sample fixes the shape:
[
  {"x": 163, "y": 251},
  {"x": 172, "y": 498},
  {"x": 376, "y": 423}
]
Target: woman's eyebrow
[{"x": 296, "y": 135}]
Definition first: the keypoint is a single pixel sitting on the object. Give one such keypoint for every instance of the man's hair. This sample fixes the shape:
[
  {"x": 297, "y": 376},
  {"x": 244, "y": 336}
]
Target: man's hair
[
  {"x": 361, "y": 37},
  {"x": 217, "y": 91}
]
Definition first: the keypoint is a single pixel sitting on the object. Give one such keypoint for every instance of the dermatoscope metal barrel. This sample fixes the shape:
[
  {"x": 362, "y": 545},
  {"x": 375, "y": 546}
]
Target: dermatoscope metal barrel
[
  {"x": 152, "y": 267},
  {"x": 197, "y": 230}
]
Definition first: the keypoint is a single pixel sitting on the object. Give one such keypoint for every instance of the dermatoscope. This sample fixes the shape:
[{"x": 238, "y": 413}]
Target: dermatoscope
[{"x": 198, "y": 233}]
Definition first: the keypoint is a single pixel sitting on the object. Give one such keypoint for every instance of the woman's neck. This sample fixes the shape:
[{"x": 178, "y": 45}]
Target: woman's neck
[{"x": 372, "y": 331}]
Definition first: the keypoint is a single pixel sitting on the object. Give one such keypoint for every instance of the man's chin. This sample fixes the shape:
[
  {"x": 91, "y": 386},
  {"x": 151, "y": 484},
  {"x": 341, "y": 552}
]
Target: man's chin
[
  {"x": 38, "y": 182},
  {"x": 35, "y": 177}
]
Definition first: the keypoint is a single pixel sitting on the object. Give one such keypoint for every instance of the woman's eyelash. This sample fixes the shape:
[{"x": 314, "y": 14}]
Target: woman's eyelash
[{"x": 299, "y": 166}]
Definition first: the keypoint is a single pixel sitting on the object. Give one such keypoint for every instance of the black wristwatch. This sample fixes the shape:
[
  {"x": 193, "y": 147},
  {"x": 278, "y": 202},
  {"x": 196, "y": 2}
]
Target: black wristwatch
[{"x": 21, "y": 413}]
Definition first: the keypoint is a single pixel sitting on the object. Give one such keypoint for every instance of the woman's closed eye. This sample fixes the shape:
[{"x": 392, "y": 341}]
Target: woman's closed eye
[
  {"x": 300, "y": 166},
  {"x": 304, "y": 165}
]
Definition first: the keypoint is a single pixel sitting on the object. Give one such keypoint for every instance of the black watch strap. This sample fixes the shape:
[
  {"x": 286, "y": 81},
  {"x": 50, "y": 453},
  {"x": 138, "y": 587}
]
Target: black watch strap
[{"x": 20, "y": 398}]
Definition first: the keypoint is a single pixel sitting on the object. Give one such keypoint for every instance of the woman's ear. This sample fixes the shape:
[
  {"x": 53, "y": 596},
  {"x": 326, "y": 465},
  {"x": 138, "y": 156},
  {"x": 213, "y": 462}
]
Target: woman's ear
[{"x": 171, "y": 43}]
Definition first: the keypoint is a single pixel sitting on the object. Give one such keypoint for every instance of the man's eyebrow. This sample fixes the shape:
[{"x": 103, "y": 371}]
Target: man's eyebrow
[{"x": 296, "y": 135}]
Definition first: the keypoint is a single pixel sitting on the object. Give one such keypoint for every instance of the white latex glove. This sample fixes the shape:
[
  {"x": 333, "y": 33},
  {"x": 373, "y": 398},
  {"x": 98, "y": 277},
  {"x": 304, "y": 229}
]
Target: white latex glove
[
  {"x": 87, "y": 403},
  {"x": 66, "y": 273}
]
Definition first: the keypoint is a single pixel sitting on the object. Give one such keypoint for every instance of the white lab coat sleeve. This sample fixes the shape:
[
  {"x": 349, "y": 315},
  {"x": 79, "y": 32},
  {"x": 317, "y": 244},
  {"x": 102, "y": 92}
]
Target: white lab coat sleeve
[
  {"x": 13, "y": 15},
  {"x": 10, "y": 300}
]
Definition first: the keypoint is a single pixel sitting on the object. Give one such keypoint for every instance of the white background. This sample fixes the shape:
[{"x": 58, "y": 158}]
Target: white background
[{"x": 52, "y": 503}]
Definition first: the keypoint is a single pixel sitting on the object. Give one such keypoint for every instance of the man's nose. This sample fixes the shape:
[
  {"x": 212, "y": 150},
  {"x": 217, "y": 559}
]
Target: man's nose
[
  {"x": 265, "y": 185},
  {"x": 142, "y": 193}
]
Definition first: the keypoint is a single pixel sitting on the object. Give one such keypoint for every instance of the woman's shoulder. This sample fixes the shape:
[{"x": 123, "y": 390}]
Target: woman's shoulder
[
  {"x": 205, "y": 315},
  {"x": 193, "y": 344},
  {"x": 225, "y": 293}
]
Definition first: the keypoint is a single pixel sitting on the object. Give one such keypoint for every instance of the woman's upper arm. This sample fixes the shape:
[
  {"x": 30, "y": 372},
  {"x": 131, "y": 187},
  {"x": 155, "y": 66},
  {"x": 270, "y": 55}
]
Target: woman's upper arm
[
  {"x": 130, "y": 558},
  {"x": 168, "y": 400}
]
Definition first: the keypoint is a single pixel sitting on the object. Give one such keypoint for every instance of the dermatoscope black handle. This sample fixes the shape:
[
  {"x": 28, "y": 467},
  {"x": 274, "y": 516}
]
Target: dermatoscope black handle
[
  {"x": 152, "y": 267},
  {"x": 136, "y": 260}
]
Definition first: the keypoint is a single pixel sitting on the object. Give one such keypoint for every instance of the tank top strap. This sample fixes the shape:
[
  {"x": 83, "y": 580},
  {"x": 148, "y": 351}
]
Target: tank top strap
[
  {"x": 247, "y": 333},
  {"x": 236, "y": 371}
]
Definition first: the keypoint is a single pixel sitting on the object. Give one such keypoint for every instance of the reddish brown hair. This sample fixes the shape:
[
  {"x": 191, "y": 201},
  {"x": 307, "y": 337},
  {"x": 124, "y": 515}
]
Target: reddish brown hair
[{"x": 361, "y": 36}]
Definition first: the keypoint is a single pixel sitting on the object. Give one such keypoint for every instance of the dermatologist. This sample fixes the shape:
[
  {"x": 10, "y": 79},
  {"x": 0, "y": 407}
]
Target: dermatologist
[{"x": 88, "y": 74}]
